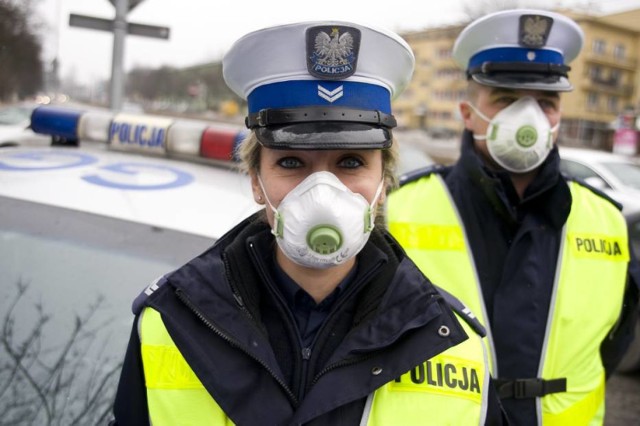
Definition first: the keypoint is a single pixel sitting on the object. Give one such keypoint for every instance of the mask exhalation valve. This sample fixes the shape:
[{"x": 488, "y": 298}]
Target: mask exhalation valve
[{"x": 324, "y": 239}]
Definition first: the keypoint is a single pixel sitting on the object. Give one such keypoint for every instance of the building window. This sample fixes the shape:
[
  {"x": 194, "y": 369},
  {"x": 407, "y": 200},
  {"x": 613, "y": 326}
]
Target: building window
[
  {"x": 599, "y": 46},
  {"x": 612, "y": 104},
  {"x": 595, "y": 72},
  {"x": 592, "y": 101},
  {"x": 444, "y": 53},
  {"x": 619, "y": 51},
  {"x": 614, "y": 77}
]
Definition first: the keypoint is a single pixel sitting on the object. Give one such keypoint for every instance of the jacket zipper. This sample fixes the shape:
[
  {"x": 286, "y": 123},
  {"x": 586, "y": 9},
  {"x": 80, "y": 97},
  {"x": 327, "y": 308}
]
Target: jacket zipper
[
  {"x": 305, "y": 352},
  {"x": 184, "y": 299},
  {"x": 354, "y": 360},
  {"x": 340, "y": 364}
]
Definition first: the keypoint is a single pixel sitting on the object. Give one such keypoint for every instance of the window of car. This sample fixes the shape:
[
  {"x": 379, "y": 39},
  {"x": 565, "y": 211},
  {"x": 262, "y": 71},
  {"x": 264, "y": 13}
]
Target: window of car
[
  {"x": 15, "y": 114},
  {"x": 69, "y": 278},
  {"x": 578, "y": 170},
  {"x": 627, "y": 173}
]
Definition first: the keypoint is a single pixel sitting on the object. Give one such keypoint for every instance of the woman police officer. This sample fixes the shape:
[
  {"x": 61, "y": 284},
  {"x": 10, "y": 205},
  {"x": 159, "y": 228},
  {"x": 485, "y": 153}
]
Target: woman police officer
[{"x": 306, "y": 312}]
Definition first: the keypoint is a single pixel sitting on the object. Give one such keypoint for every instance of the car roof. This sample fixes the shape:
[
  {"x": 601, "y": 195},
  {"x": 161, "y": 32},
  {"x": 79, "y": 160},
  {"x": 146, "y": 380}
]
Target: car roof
[
  {"x": 592, "y": 155},
  {"x": 200, "y": 199},
  {"x": 168, "y": 172}
]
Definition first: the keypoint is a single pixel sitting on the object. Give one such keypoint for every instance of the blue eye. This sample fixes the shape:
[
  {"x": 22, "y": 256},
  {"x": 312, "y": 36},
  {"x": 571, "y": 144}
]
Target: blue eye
[
  {"x": 351, "y": 162},
  {"x": 289, "y": 162}
]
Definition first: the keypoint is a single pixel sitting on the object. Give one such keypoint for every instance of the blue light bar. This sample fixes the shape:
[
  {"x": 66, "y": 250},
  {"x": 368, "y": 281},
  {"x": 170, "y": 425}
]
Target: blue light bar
[{"x": 61, "y": 122}]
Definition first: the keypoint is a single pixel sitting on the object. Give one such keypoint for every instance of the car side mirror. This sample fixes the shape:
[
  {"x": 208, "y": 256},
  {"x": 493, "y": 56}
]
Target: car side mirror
[{"x": 596, "y": 182}]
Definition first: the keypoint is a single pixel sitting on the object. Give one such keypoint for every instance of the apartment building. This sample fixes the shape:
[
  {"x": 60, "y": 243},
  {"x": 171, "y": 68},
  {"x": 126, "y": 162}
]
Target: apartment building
[{"x": 605, "y": 76}]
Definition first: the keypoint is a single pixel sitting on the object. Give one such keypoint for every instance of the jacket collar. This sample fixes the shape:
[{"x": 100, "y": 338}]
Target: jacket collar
[
  {"x": 221, "y": 284},
  {"x": 548, "y": 194}
]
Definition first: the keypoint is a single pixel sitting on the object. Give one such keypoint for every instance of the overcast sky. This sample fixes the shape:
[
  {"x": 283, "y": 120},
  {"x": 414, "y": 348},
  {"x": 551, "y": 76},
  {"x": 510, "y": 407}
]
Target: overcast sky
[{"x": 202, "y": 30}]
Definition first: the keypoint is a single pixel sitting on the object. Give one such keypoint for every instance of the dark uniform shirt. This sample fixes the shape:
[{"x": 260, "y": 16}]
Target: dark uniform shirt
[{"x": 308, "y": 314}]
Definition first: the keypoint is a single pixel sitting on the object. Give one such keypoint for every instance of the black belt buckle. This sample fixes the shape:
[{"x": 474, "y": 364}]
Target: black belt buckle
[{"x": 526, "y": 388}]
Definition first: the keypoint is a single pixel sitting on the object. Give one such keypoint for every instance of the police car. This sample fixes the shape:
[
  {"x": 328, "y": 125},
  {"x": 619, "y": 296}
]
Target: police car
[{"x": 85, "y": 225}]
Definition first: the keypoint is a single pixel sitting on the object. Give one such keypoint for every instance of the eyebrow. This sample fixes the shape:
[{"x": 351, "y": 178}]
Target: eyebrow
[{"x": 505, "y": 91}]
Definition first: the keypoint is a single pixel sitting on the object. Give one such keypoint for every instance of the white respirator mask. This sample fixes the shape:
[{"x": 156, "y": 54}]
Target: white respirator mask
[
  {"x": 321, "y": 223},
  {"x": 519, "y": 137}
]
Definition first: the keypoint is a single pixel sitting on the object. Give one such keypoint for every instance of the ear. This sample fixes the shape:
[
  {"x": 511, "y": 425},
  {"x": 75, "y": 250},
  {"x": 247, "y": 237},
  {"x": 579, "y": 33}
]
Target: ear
[
  {"x": 383, "y": 195},
  {"x": 258, "y": 195},
  {"x": 466, "y": 112}
]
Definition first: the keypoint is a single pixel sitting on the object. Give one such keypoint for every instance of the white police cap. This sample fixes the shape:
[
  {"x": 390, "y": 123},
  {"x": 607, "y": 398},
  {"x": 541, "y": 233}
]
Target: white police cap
[
  {"x": 520, "y": 49},
  {"x": 320, "y": 85}
]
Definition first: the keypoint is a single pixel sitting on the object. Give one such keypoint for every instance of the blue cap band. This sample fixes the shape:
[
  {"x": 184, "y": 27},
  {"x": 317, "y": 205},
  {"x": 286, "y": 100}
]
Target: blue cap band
[
  {"x": 516, "y": 54},
  {"x": 305, "y": 93}
]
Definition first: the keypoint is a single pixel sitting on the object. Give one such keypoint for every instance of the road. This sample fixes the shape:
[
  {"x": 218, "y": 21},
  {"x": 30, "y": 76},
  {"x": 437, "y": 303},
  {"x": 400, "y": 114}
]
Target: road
[
  {"x": 623, "y": 391},
  {"x": 623, "y": 400}
]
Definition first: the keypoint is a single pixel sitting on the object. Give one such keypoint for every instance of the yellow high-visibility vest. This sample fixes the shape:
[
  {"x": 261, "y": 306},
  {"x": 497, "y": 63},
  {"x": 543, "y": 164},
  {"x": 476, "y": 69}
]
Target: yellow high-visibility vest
[
  {"x": 587, "y": 294},
  {"x": 450, "y": 388}
]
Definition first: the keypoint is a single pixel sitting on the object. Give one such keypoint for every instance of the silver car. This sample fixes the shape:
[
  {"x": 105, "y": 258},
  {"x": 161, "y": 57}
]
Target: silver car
[{"x": 616, "y": 175}]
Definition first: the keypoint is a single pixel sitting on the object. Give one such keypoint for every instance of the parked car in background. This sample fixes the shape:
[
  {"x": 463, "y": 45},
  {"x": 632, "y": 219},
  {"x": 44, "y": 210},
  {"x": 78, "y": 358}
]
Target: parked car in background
[
  {"x": 412, "y": 157},
  {"x": 616, "y": 175},
  {"x": 15, "y": 120}
]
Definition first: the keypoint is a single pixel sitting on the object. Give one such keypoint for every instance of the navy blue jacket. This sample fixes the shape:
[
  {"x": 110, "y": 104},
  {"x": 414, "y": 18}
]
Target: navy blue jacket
[
  {"x": 515, "y": 245},
  {"x": 225, "y": 304}
]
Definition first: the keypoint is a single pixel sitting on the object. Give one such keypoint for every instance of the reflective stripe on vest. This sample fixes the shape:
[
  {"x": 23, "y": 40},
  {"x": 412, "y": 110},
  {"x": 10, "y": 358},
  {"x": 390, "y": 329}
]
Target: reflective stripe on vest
[
  {"x": 452, "y": 384},
  {"x": 449, "y": 389},
  {"x": 424, "y": 220},
  {"x": 591, "y": 273},
  {"x": 175, "y": 396}
]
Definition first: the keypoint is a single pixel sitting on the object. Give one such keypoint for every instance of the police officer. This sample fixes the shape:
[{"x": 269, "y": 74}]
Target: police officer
[
  {"x": 306, "y": 312},
  {"x": 543, "y": 260}
]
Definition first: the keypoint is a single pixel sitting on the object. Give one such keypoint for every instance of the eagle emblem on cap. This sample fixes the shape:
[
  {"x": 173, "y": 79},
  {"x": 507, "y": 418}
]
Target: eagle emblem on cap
[
  {"x": 534, "y": 30},
  {"x": 332, "y": 51}
]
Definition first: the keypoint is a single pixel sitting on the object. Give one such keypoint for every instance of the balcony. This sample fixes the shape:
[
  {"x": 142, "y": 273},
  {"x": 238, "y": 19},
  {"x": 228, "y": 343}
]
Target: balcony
[
  {"x": 610, "y": 86},
  {"x": 626, "y": 63}
]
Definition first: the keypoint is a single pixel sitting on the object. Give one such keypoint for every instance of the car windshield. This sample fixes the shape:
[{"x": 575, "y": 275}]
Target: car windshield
[
  {"x": 68, "y": 282},
  {"x": 627, "y": 173},
  {"x": 15, "y": 115}
]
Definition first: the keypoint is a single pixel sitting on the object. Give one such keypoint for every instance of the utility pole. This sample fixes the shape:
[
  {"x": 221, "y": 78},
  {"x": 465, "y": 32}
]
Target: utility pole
[
  {"x": 117, "y": 60},
  {"x": 120, "y": 28}
]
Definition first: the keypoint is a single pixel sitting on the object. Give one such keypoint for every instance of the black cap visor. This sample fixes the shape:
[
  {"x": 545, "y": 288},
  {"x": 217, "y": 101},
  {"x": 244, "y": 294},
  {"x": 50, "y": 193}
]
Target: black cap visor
[
  {"x": 524, "y": 81},
  {"x": 323, "y": 135}
]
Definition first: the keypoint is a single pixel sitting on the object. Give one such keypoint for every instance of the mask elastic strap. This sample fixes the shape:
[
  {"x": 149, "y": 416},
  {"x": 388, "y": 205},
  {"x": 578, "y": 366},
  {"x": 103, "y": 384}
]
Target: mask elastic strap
[
  {"x": 477, "y": 111},
  {"x": 481, "y": 115},
  {"x": 368, "y": 227},
  {"x": 277, "y": 219}
]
